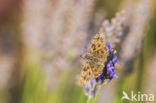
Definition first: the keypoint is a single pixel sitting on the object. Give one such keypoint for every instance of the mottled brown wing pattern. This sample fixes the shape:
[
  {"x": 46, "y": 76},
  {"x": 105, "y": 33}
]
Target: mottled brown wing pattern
[
  {"x": 97, "y": 47},
  {"x": 86, "y": 73},
  {"x": 97, "y": 69},
  {"x": 95, "y": 59},
  {"x": 100, "y": 51},
  {"x": 90, "y": 70}
]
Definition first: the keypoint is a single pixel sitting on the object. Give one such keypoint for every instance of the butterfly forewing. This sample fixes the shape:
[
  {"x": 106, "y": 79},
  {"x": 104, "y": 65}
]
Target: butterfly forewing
[{"x": 97, "y": 47}]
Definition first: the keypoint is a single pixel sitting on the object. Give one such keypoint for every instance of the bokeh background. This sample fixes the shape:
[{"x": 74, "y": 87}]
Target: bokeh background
[{"x": 41, "y": 42}]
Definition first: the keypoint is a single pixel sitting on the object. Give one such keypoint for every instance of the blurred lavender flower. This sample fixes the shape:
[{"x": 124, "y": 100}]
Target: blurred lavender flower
[
  {"x": 113, "y": 29},
  {"x": 90, "y": 88},
  {"x": 136, "y": 21},
  {"x": 58, "y": 31}
]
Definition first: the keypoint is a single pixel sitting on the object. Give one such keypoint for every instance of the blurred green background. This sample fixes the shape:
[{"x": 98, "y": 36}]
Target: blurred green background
[{"x": 41, "y": 42}]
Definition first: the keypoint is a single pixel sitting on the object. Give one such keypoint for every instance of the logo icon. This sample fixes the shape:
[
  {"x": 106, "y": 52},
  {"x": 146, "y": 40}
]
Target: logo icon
[{"x": 125, "y": 96}]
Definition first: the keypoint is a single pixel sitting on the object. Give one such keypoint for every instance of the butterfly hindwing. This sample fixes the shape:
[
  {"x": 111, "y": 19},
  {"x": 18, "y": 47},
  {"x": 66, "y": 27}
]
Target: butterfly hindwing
[{"x": 86, "y": 72}]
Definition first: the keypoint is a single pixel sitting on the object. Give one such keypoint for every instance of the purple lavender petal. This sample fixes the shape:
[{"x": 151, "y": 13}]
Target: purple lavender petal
[
  {"x": 100, "y": 81},
  {"x": 109, "y": 70},
  {"x": 101, "y": 76},
  {"x": 108, "y": 80},
  {"x": 92, "y": 82},
  {"x": 113, "y": 75},
  {"x": 109, "y": 64},
  {"x": 86, "y": 89},
  {"x": 109, "y": 46},
  {"x": 113, "y": 69},
  {"x": 93, "y": 92},
  {"x": 115, "y": 60}
]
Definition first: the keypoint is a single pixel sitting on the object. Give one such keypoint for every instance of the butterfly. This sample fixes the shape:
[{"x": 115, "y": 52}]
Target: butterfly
[{"x": 94, "y": 58}]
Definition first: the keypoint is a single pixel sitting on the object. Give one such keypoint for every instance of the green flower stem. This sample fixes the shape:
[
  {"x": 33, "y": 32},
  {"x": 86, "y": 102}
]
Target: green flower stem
[
  {"x": 97, "y": 94},
  {"x": 88, "y": 100},
  {"x": 99, "y": 89}
]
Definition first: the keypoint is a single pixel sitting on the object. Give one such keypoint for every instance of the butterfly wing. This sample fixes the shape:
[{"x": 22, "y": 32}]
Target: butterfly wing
[
  {"x": 98, "y": 47},
  {"x": 97, "y": 69},
  {"x": 99, "y": 50},
  {"x": 86, "y": 73}
]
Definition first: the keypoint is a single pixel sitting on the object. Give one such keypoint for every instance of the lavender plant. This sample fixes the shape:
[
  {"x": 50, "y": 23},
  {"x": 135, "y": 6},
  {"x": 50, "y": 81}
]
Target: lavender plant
[
  {"x": 94, "y": 83},
  {"x": 114, "y": 32},
  {"x": 106, "y": 76}
]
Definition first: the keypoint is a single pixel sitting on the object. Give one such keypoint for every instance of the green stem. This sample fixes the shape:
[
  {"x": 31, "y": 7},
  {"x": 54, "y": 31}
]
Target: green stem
[
  {"x": 88, "y": 100},
  {"x": 97, "y": 94}
]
